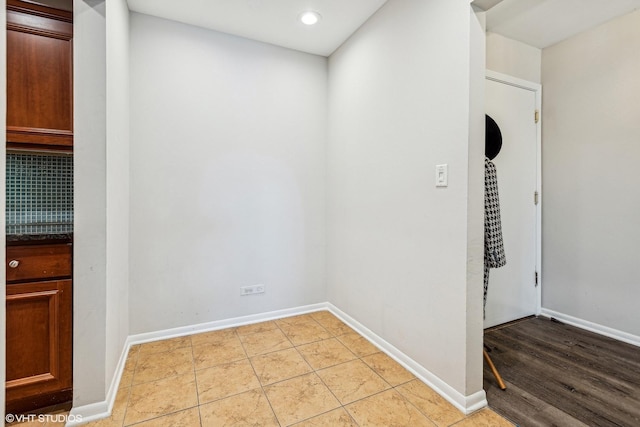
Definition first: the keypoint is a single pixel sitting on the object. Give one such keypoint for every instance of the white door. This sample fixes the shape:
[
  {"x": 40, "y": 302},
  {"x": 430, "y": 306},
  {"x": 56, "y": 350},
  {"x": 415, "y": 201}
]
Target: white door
[{"x": 512, "y": 289}]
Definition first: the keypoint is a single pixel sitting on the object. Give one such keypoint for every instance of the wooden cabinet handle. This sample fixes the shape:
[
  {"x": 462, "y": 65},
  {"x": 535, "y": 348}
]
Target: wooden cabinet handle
[{"x": 14, "y": 263}]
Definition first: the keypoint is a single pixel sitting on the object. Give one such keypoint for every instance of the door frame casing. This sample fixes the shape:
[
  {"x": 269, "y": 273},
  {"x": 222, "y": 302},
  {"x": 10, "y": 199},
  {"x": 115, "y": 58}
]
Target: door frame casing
[{"x": 536, "y": 88}]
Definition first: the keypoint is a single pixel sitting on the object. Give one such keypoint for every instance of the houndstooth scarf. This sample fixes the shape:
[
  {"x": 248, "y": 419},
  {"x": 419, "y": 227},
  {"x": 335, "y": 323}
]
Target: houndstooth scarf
[{"x": 494, "y": 256}]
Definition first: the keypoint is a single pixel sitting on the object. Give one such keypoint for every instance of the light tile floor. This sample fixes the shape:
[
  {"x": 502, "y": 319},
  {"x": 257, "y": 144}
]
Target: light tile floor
[{"x": 308, "y": 370}]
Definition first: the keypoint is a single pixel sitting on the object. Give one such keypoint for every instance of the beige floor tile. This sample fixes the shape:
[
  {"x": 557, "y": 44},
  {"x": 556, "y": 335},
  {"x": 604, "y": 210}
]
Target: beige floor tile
[
  {"x": 213, "y": 337},
  {"x": 430, "y": 403},
  {"x": 295, "y": 320},
  {"x": 279, "y": 365},
  {"x": 34, "y": 423},
  {"x": 165, "y": 345},
  {"x": 484, "y": 418},
  {"x": 387, "y": 409},
  {"x": 105, "y": 422},
  {"x": 155, "y": 366},
  {"x": 250, "y": 408},
  {"x": 53, "y": 423},
  {"x": 388, "y": 369},
  {"x": 256, "y": 327},
  {"x": 305, "y": 332},
  {"x": 186, "y": 418},
  {"x": 336, "y": 418},
  {"x": 129, "y": 366},
  {"x": 352, "y": 381},
  {"x": 126, "y": 379},
  {"x": 322, "y": 314},
  {"x": 57, "y": 421},
  {"x": 217, "y": 353},
  {"x": 117, "y": 416},
  {"x": 323, "y": 354},
  {"x": 265, "y": 342},
  {"x": 359, "y": 345},
  {"x": 120, "y": 404},
  {"x": 300, "y": 398},
  {"x": 157, "y": 398},
  {"x": 331, "y": 323},
  {"x": 225, "y": 380}
]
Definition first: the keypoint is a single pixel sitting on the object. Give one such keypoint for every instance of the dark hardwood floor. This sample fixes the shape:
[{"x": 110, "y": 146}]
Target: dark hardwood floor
[{"x": 559, "y": 375}]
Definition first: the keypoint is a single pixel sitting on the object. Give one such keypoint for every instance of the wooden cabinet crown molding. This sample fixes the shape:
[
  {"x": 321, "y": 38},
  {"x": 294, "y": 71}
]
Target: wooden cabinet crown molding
[{"x": 37, "y": 9}]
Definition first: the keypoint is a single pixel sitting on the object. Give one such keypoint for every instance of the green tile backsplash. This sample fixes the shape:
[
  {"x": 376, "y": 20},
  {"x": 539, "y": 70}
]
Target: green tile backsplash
[{"x": 39, "y": 193}]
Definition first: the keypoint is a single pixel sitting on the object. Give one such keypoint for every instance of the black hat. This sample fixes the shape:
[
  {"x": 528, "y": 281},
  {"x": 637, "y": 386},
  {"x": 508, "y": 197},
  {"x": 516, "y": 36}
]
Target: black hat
[{"x": 493, "y": 138}]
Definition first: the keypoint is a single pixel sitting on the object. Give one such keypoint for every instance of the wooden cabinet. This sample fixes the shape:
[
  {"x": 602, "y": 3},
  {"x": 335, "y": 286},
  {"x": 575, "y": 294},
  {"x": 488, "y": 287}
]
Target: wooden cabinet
[
  {"x": 39, "y": 77},
  {"x": 39, "y": 326}
]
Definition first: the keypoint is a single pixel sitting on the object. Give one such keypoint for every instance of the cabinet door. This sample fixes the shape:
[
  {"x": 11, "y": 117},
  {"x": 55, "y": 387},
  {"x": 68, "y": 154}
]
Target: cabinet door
[
  {"x": 39, "y": 76},
  {"x": 38, "y": 344}
]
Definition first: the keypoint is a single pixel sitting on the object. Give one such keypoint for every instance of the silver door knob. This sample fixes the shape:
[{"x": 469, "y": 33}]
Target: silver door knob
[{"x": 14, "y": 263}]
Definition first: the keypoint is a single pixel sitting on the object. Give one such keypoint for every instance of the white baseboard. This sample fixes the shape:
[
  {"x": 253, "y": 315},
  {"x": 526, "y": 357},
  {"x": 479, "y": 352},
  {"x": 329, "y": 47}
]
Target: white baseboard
[
  {"x": 223, "y": 324},
  {"x": 86, "y": 413},
  {"x": 95, "y": 411},
  {"x": 592, "y": 327},
  {"x": 466, "y": 404}
]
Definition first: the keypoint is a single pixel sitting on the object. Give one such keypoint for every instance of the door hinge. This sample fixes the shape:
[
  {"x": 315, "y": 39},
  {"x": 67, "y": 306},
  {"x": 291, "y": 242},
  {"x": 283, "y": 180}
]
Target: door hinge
[
  {"x": 535, "y": 198},
  {"x": 536, "y": 116},
  {"x": 536, "y": 278}
]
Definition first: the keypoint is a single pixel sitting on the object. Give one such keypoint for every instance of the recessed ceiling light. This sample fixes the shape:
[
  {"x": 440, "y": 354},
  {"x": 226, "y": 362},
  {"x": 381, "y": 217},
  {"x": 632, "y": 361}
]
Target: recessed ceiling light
[{"x": 309, "y": 17}]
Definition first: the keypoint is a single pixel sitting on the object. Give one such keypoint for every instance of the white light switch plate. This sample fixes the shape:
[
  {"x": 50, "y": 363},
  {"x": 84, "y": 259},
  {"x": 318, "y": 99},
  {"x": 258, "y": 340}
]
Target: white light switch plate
[{"x": 442, "y": 175}]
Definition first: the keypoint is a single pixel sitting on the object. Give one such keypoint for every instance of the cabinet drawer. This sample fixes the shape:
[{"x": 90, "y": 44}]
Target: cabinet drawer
[{"x": 38, "y": 262}]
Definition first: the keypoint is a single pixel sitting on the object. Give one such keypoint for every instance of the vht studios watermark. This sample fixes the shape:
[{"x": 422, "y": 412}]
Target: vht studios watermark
[{"x": 42, "y": 418}]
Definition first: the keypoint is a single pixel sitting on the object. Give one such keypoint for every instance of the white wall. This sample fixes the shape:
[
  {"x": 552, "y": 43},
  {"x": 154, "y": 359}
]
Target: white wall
[
  {"x": 101, "y": 179},
  {"x": 397, "y": 257},
  {"x": 117, "y": 182},
  {"x": 90, "y": 209},
  {"x": 591, "y": 153},
  {"x": 227, "y": 175},
  {"x": 475, "y": 204},
  {"x": 514, "y": 58}
]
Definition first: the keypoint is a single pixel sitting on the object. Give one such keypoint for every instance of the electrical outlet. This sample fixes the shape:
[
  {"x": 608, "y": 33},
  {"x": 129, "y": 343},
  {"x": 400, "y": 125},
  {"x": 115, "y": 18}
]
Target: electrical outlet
[{"x": 252, "y": 290}]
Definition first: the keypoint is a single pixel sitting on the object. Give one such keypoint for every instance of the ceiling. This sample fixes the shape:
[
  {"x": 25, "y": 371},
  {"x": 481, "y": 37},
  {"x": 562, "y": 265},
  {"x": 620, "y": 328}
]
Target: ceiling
[
  {"x": 270, "y": 21},
  {"x": 542, "y": 23},
  {"x": 538, "y": 23}
]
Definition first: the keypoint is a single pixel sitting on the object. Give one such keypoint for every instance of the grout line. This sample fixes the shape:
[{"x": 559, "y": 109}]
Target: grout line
[
  {"x": 264, "y": 393},
  {"x": 195, "y": 377},
  {"x": 195, "y": 380},
  {"x": 130, "y": 386},
  {"x": 159, "y": 416}
]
